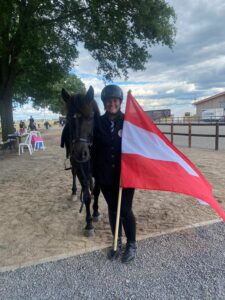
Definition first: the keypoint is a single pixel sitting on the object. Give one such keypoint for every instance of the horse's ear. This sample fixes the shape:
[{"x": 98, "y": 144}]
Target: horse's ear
[
  {"x": 90, "y": 94},
  {"x": 65, "y": 95}
]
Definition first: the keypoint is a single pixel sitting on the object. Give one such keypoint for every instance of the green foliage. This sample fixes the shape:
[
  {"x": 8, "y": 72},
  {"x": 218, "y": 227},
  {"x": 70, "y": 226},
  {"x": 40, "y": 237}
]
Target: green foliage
[
  {"x": 36, "y": 47},
  {"x": 119, "y": 34},
  {"x": 54, "y": 99},
  {"x": 39, "y": 39}
]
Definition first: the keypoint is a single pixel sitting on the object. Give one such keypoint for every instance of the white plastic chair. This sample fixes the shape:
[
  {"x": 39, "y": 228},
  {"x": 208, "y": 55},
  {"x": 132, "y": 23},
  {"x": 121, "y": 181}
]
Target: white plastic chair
[
  {"x": 37, "y": 144},
  {"x": 36, "y": 133},
  {"x": 26, "y": 143}
]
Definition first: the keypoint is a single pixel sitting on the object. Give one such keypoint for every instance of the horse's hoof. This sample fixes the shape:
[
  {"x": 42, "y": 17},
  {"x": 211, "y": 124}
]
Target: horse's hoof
[
  {"x": 73, "y": 198},
  {"x": 96, "y": 217},
  {"x": 89, "y": 232}
]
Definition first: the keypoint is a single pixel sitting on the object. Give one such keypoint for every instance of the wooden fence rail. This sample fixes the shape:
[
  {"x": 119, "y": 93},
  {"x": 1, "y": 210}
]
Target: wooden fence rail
[{"x": 189, "y": 134}]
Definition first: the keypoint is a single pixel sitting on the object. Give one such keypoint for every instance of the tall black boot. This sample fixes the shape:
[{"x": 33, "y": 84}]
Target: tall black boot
[
  {"x": 111, "y": 254},
  {"x": 129, "y": 253}
]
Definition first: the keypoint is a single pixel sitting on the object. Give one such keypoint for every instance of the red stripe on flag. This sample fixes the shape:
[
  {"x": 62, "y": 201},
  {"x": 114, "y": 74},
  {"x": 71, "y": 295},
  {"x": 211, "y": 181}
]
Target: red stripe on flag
[
  {"x": 144, "y": 173},
  {"x": 135, "y": 114}
]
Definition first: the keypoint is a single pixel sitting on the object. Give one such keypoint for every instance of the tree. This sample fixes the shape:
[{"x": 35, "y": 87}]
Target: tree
[
  {"x": 54, "y": 100},
  {"x": 38, "y": 42}
]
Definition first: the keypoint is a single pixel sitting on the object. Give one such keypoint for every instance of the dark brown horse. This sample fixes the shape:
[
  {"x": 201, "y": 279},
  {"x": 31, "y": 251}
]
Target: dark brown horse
[{"x": 77, "y": 136}]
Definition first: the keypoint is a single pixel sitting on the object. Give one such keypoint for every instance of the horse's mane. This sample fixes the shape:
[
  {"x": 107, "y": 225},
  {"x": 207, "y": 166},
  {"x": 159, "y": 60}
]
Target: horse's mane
[{"x": 76, "y": 105}]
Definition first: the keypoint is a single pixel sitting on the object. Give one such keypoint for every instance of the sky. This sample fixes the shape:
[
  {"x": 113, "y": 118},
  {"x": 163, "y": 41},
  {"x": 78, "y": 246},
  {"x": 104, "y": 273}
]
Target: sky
[
  {"x": 24, "y": 112},
  {"x": 193, "y": 70}
]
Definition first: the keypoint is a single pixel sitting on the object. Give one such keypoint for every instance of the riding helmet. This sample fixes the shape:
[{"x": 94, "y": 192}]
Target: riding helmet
[{"x": 112, "y": 91}]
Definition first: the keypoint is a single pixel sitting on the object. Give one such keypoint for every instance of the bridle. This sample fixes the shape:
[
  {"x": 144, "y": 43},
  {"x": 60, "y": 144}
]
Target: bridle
[{"x": 78, "y": 137}]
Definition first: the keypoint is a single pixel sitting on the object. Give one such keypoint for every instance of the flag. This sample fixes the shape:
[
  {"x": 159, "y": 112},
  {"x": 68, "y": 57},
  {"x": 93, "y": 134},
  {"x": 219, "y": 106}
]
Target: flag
[{"x": 149, "y": 160}]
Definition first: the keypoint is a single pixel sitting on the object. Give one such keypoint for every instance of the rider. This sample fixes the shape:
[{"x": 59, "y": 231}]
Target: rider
[
  {"x": 32, "y": 125},
  {"x": 107, "y": 155}
]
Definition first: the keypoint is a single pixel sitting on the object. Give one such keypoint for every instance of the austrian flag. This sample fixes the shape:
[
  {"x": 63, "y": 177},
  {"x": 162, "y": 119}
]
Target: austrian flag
[{"x": 150, "y": 161}]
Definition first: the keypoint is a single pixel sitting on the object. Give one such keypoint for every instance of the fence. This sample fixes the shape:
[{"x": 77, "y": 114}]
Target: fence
[
  {"x": 190, "y": 133},
  {"x": 192, "y": 119}
]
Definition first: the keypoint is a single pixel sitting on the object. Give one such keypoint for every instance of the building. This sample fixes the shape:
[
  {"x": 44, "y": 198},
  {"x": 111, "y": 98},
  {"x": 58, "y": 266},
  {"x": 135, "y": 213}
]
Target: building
[
  {"x": 159, "y": 114},
  {"x": 213, "y": 102}
]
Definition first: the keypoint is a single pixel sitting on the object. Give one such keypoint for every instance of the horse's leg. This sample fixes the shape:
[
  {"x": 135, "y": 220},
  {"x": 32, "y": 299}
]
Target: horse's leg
[
  {"x": 83, "y": 176},
  {"x": 96, "y": 191},
  {"x": 74, "y": 187},
  {"x": 89, "y": 229}
]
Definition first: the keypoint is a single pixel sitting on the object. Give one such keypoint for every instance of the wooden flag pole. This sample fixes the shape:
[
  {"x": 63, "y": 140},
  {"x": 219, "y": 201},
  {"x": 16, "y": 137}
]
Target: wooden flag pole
[
  {"x": 117, "y": 219},
  {"x": 118, "y": 213}
]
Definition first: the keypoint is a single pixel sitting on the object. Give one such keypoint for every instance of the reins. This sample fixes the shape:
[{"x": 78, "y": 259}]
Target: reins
[{"x": 75, "y": 128}]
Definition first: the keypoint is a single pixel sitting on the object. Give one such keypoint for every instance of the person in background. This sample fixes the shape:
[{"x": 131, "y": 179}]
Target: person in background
[
  {"x": 106, "y": 170},
  {"x": 32, "y": 125},
  {"x": 14, "y": 128},
  {"x": 22, "y": 127},
  {"x": 46, "y": 124},
  {"x": 62, "y": 122}
]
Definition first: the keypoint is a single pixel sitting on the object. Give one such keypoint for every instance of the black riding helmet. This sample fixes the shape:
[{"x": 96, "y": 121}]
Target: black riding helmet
[{"x": 112, "y": 91}]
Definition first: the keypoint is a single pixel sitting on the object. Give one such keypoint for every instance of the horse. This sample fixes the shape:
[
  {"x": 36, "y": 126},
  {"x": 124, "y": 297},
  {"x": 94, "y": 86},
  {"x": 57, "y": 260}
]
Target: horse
[{"x": 77, "y": 136}]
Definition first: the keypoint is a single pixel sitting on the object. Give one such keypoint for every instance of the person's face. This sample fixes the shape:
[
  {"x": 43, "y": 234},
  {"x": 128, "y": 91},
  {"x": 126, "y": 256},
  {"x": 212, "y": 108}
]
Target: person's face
[{"x": 112, "y": 105}]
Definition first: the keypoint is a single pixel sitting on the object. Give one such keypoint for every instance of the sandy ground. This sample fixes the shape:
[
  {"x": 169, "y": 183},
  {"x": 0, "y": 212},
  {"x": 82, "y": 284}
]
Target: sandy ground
[{"x": 38, "y": 222}]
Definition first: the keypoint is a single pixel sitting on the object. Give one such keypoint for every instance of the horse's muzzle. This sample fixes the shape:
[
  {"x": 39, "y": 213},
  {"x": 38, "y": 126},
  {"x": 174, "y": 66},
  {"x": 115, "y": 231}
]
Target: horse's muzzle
[
  {"x": 85, "y": 155},
  {"x": 81, "y": 153}
]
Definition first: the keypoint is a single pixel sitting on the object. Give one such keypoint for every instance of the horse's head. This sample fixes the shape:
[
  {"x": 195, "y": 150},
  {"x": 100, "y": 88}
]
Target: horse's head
[
  {"x": 79, "y": 103},
  {"x": 81, "y": 111}
]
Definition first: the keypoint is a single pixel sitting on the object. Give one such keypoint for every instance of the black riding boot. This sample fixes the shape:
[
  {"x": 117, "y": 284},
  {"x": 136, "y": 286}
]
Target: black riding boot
[
  {"x": 129, "y": 253},
  {"x": 111, "y": 254},
  {"x": 112, "y": 221}
]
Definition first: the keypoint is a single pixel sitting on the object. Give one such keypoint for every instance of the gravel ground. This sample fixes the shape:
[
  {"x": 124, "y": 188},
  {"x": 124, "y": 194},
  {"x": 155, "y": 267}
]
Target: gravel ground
[{"x": 184, "y": 265}]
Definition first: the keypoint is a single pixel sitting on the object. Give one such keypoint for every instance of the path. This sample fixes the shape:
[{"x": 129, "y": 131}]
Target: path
[{"x": 185, "y": 265}]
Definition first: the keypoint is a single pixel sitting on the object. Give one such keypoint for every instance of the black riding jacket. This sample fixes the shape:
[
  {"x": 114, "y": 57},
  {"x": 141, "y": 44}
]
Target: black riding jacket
[{"x": 107, "y": 149}]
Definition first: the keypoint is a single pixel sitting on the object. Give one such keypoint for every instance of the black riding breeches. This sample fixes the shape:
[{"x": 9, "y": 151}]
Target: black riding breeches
[{"x": 110, "y": 193}]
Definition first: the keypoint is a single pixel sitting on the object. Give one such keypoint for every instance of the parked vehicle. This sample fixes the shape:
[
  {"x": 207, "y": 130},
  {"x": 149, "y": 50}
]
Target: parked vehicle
[{"x": 213, "y": 115}]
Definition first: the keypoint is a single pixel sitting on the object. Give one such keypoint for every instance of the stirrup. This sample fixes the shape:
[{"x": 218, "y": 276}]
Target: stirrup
[{"x": 67, "y": 164}]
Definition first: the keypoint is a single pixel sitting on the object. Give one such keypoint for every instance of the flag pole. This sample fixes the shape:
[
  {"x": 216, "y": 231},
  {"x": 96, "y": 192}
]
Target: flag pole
[
  {"x": 118, "y": 212},
  {"x": 117, "y": 218}
]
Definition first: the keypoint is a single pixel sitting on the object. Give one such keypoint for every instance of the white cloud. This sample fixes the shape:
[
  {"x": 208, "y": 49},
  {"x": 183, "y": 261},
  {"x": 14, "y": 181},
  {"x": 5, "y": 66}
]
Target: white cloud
[
  {"x": 24, "y": 112},
  {"x": 173, "y": 79}
]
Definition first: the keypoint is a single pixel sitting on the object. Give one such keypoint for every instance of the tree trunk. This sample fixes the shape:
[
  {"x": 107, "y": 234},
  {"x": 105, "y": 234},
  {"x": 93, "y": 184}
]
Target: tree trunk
[
  {"x": 7, "y": 79},
  {"x": 6, "y": 113}
]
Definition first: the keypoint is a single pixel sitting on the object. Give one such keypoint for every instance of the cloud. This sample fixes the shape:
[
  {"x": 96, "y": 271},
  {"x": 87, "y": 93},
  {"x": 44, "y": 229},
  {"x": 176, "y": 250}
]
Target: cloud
[
  {"x": 193, "y": 70},
  {"x": 24, "y": 112}
]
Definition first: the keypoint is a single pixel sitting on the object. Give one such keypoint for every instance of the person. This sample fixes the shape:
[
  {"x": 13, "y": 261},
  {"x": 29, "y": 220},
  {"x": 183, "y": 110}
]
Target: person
[
  {"x": 14, "y": 128},
  {"x": 22, "y": 127},
  {"x": 32, "y": 125},
  {"x": 46, "y": 124},
  {"x": 106, "y": 170},
  {"x": 62, "y": 122}
]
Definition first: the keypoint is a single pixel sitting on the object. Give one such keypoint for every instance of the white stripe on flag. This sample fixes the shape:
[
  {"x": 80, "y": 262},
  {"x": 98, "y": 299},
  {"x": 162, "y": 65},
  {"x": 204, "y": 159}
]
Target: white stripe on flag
[
  {"x": 136, "y": 140},
  {"x": 202, "y": 202}
]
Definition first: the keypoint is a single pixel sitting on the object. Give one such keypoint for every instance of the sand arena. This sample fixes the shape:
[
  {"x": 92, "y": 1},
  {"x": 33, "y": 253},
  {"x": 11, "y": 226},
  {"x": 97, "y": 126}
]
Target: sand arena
[{"x": 39, "y": 223}]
